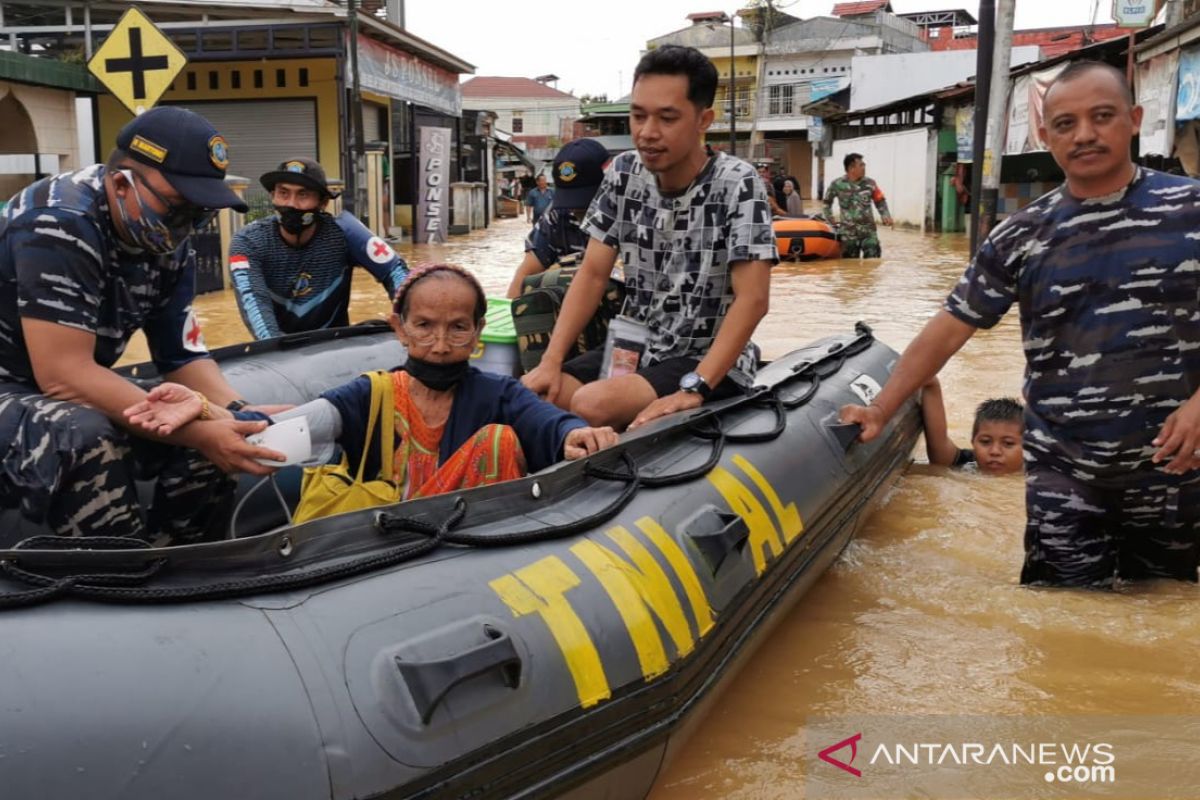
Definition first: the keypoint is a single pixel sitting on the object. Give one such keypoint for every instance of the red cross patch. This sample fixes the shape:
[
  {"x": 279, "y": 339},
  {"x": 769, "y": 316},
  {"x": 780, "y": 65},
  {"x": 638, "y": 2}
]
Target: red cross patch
[
  {"x": 193, "y": 336},
  {"x": 379, "y": 251}
]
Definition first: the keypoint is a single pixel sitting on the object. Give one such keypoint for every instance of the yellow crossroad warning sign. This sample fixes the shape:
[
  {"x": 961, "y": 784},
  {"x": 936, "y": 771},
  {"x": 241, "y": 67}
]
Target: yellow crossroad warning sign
[{"x": 137, "y": 62}]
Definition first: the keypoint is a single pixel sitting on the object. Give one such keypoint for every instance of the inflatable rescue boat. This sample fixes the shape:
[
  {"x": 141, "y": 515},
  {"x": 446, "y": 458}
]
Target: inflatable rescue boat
[
  {"x": 544, "y": 637},
  {"x": 805, "y": 239}
]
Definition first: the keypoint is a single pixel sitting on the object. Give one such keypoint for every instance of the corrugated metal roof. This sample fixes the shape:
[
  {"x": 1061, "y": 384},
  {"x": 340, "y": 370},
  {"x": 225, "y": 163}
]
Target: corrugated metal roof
[{"x": 486, "y": 86}]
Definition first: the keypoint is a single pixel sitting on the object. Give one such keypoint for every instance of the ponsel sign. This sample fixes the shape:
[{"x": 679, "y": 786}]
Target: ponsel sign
[{"x": 432, "y": 222}]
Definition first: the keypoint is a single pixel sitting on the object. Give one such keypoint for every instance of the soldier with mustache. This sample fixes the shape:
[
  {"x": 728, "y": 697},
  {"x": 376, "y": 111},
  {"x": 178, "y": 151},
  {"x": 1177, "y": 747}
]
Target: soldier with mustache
[{"x": 1106, "y": 272}]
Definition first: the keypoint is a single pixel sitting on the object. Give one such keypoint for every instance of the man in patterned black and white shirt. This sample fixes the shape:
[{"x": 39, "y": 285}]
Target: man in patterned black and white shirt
[{"x": 693, "y": 229}]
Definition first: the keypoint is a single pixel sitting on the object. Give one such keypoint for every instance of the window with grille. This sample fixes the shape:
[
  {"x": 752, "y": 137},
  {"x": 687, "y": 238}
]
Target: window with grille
[{"x": 779, "y": 101}]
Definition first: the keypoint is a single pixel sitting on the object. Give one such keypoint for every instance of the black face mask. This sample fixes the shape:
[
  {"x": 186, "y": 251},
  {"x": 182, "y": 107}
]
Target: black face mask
[
  {"x": 438, "y": 377},
  {"x": 295, "y": 221}
]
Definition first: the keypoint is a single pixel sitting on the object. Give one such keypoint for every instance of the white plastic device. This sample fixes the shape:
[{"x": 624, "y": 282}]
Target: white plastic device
[{"x": 289, "y": 437}]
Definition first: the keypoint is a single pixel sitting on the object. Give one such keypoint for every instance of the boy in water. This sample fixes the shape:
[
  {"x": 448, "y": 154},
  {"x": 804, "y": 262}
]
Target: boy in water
[{"x": 995, "y": 437}]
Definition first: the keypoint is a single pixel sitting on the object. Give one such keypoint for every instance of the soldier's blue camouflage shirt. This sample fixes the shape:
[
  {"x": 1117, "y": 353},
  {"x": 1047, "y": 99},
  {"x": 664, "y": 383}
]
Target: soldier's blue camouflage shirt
[
  {"x": 1109, "y": 296},
  {"x": 61, "y": 261},
  {"x": 556, "y": 238}
]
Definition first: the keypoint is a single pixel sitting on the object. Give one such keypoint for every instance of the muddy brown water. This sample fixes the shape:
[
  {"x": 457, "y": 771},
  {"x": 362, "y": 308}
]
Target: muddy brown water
[{"x": 922, "y": 614}]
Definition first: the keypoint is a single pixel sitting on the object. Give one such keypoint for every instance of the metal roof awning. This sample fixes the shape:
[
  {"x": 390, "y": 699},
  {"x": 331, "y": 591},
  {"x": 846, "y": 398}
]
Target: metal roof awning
[
  {"x": 513, "y": 152},
  {"x": 831, "y": 105}
]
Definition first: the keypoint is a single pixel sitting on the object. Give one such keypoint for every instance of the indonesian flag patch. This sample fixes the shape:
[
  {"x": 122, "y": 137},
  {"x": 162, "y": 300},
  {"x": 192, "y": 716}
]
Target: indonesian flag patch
[
  {"x": 238, "y": 262},
  {"x": 193, "y": 337}
]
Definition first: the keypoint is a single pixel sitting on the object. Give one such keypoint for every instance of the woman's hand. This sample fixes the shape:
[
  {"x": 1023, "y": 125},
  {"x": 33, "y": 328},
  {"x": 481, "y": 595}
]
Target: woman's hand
[
  {"x": 166, "y": 409},
  {"x": 582, "y": 442}
]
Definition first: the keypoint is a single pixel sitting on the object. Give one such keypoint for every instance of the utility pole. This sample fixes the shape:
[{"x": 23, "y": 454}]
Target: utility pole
[
  {"x": 351, "y": 200},
  {"x": 983, "y": 85},
  {"x": 732, "y": 94},
  {"x": 997, "y": 120}
]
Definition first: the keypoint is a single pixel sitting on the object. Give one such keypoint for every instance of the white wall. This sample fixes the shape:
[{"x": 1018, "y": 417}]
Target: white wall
[
  {"x": 52, "y": 112},
  {"x": 52, "y": 118},
  {"x": 875, "y": 80},
  {"x": 900, "y": 164},
  {"x": 83, "y": 131}
]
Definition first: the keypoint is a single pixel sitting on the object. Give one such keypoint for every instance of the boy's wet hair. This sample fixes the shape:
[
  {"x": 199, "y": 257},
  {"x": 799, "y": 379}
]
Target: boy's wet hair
[
  {"x": 440, "y": 272},
  {"x": 998, "y": 409}
]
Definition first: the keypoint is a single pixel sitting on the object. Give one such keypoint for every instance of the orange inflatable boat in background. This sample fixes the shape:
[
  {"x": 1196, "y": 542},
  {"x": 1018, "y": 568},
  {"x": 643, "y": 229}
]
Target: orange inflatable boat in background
[{"x": 805, "y": 239}]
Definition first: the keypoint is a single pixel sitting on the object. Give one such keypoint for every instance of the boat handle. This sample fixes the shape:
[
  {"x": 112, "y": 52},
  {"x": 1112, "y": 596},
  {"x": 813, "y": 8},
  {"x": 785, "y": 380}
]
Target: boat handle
[
  {"x": 845, "y": 434},
  {"x": 430, "y": 681},
  {"x": 717, "y": 533}
]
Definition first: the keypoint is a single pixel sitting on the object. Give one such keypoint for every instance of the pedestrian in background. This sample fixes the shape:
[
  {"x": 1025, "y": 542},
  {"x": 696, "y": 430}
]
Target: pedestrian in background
[
  {"x": 538, "y": 200},
  {"x": 795, "y": 206},
  {"x": 854, "y": 193}
]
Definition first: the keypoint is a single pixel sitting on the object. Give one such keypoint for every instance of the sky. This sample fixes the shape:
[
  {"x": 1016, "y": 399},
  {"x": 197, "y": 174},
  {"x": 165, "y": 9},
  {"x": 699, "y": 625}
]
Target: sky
[{"x": 593, "y": 47}]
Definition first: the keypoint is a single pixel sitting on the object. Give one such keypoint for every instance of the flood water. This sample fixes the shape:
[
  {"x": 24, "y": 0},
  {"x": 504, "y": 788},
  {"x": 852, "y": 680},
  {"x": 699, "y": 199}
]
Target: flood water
[{"x": 923, "y": 613}]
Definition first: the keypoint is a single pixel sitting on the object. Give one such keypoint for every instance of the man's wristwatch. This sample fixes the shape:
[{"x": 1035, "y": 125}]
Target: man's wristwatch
[
  {"x": 694, "y": 383},
  {"x": 236, "y": 405}
]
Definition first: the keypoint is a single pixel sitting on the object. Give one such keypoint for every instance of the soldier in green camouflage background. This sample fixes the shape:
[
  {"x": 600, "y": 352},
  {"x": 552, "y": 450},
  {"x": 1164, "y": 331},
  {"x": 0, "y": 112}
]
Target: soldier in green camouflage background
[{"x": 854, "y": 193}]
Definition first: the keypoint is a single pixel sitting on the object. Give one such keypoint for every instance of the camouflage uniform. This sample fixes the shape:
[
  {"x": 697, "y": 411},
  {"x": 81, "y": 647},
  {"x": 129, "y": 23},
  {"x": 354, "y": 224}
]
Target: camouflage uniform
[
  {"x": 556, "y": 239},
  {"x": 71, "y": 469},
  {"x": 856, "y": 230},
  {"x": 1108, "y": 290},
  {"x": 66, "y": 465}
]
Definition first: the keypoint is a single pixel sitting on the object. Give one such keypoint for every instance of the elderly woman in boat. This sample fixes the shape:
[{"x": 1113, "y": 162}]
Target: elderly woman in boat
[{"x": 456, "y": 427}]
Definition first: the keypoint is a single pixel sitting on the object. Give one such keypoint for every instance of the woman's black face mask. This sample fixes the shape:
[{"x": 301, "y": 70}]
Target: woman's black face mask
[{"x": 438, "y": 377}]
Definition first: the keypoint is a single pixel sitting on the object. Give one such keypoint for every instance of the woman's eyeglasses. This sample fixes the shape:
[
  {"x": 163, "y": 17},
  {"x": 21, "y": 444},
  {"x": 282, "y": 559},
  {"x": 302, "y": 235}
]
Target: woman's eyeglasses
[{"x": 425, "y": 334}]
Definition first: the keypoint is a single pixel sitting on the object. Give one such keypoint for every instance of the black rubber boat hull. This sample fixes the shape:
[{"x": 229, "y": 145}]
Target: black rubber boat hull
[{"x": 564, "y": 667}]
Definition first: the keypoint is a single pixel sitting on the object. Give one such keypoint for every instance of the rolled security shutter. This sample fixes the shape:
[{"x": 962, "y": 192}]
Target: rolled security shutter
[
  {"x": 374, "y": 117},
  {"x": 261, "y": 134}
]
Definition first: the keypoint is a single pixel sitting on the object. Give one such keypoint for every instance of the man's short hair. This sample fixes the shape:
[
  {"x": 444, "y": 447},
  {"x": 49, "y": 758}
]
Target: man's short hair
[
  {"x": 1079, "y": 68},
  {"x": 850, "y": 160},
  {"x": 687, "y": 61},
  {"x": 998, "y": 409}
]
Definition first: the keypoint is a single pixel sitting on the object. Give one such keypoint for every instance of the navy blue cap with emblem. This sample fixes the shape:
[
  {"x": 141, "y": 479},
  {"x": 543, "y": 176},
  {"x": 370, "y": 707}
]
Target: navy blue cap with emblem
[
  {"x": 187, "y": 150},
  {"x": 578, "y": 173}
]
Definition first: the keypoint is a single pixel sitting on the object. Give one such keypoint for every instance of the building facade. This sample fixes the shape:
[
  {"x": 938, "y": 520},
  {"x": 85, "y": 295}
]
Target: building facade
[
  {"x": 276, "y": 78},
  {"x": 38, "y": 119},
  {"x": 539, "y": 117}
]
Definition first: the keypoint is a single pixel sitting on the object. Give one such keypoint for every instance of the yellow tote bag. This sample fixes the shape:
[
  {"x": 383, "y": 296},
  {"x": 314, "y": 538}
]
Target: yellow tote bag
[{"x": 331, "y": 489}]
